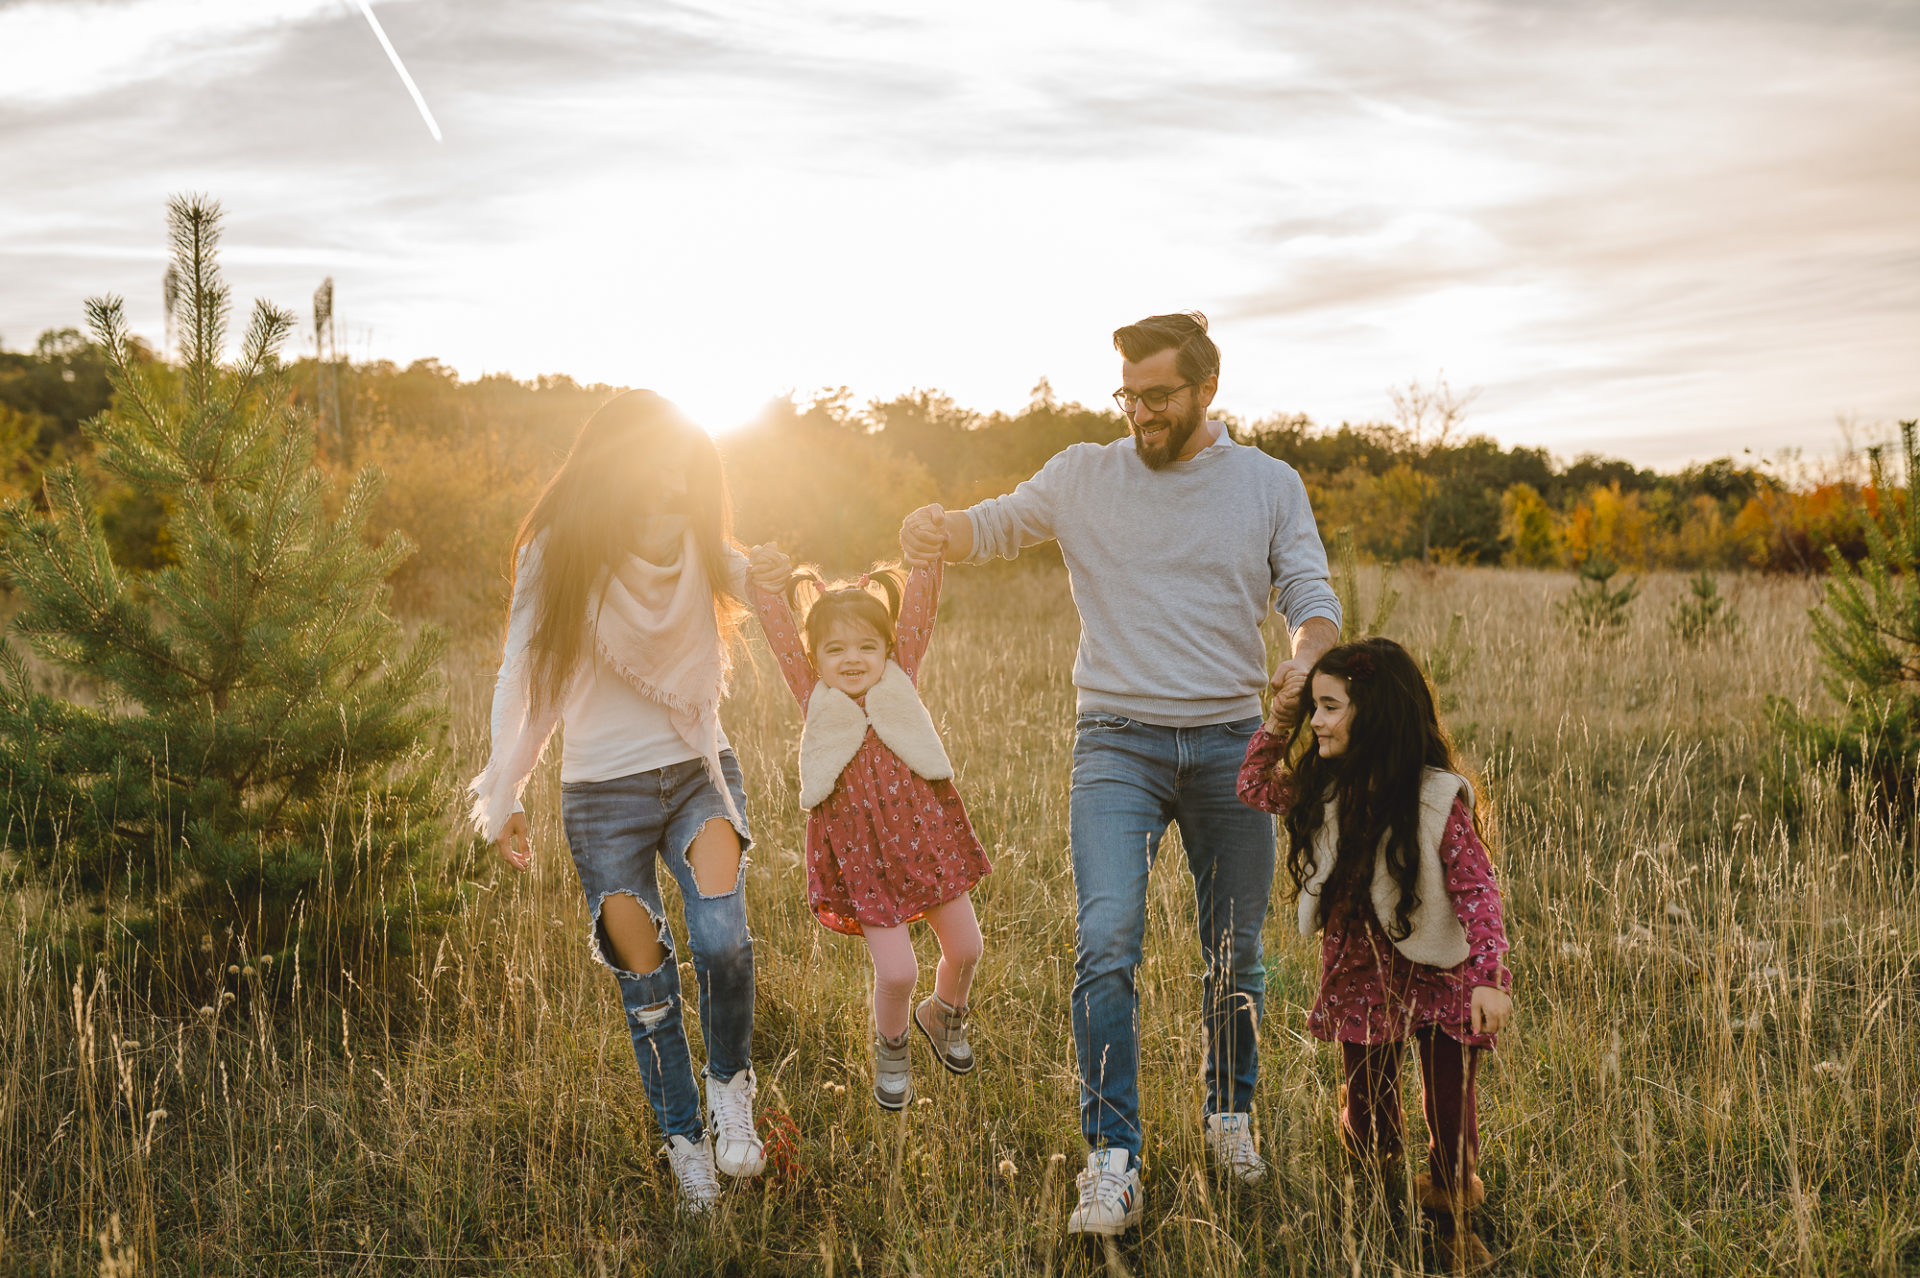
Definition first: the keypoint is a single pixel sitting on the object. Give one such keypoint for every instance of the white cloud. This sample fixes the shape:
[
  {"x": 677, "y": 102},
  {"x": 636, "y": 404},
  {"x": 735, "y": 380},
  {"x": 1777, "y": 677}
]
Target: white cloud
[
  {"x": 1646, "y": 228},
  {"x": 55, "y": 50}
]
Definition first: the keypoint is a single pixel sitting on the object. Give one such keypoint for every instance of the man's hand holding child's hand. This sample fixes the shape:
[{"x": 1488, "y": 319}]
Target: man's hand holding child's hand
[
  {"x": 1283, "y": 712},
  {"x": 923, "y": 534}
]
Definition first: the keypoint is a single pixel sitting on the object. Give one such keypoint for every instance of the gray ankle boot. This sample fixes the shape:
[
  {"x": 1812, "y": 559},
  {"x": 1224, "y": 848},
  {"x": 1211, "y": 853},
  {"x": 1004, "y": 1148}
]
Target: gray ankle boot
[
  {"x": 892, "y": 1071},
  {"x": 946, "y": 1031}
]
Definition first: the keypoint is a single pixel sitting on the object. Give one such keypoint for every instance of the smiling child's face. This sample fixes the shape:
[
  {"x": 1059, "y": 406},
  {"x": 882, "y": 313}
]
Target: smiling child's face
[
  {"x": 1332, "y": 719},
  {"x": 852, "y": 657}
]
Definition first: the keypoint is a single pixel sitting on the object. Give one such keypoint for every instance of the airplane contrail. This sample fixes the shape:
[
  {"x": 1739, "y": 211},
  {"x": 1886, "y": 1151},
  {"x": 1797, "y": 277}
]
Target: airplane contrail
[{"x": 393, "y": 56}]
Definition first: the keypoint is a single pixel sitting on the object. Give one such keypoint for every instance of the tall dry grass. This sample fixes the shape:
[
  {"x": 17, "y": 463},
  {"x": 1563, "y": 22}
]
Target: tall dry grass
[{"x": 1714, "y": 1070}]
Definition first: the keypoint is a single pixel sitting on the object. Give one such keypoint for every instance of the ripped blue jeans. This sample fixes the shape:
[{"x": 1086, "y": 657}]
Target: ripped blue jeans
[{"x": 617, "y": 831}]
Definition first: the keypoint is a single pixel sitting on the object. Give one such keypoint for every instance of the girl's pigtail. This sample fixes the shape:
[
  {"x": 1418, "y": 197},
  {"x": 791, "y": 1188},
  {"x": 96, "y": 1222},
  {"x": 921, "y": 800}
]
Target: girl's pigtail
[
  {"x": 892, "y": 580},
  {"x": 803, "y": 591}
]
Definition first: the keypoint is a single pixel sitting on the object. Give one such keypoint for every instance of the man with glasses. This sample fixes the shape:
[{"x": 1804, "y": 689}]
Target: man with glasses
[{"x": 1175, "y": 539}]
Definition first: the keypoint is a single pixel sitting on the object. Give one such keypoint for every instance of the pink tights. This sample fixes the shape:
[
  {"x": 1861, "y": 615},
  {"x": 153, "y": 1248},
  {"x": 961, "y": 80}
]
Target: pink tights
[{"x": 895, "y": 969}]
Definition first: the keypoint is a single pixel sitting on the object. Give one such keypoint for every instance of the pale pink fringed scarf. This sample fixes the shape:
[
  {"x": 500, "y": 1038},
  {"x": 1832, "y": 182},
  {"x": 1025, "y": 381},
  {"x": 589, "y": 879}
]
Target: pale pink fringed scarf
[{"x": 655, "y": 626}]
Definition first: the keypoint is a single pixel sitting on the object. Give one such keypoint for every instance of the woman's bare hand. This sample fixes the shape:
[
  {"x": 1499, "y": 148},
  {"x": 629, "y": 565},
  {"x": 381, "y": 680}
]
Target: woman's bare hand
[{"x": 516, "y": 842}]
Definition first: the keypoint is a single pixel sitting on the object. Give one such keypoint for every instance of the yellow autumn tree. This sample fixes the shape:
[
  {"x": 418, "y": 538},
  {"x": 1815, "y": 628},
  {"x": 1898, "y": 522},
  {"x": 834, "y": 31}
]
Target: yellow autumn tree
[
  {"x": 1530, "y": 527},
  {"x": 1609, "y": 523}
]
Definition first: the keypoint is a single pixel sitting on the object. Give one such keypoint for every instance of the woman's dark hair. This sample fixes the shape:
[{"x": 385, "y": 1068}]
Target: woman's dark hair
[
  {"x": 820, "y": 603},
  {"x": 1393, "y": 736},
  {"x": 593, "y": 512}
]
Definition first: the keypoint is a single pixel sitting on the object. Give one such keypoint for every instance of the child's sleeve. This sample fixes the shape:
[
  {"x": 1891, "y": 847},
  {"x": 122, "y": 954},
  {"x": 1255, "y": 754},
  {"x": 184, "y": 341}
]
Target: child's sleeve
[
  {"x": 914, "y": 630},
  {"x": 1261, "y": 785},
  {"x": 783, "y": 636},
  {"x": 1476, "y": 900}
]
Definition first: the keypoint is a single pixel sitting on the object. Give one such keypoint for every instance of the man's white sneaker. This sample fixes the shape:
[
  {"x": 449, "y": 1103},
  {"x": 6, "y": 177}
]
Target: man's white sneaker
[
  {"x": 736, "y": 1146},
  {"x": 693, "y": 1169},
  {"x": 1230, "y": 1146},
  {"x": 1109, "y": 1195}
]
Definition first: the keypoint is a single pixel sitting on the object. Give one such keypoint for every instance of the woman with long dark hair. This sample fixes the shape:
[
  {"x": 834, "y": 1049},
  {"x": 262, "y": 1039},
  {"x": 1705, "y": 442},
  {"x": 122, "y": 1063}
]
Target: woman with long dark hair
[{"x": 627, "y": 589}]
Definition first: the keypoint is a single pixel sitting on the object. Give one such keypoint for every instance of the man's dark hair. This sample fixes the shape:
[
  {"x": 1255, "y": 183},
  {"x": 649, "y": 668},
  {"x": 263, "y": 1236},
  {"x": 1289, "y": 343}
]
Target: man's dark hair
[{"x": 1186, "y": 332}]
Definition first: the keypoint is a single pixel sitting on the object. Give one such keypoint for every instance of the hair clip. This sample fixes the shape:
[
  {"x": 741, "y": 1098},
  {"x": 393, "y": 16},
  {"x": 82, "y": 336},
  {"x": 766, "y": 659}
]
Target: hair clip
[{"x": 1360, "y": 666}]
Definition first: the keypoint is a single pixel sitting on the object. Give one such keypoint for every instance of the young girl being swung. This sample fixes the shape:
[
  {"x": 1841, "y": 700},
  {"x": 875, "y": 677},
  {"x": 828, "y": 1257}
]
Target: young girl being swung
[
  {"x": 888, "y": 841},
  {"x": 1387, "y": 862}
]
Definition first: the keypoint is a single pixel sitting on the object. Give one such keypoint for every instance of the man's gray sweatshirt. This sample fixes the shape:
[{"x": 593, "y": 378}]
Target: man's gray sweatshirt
[{"x": 1171, "y": 571}]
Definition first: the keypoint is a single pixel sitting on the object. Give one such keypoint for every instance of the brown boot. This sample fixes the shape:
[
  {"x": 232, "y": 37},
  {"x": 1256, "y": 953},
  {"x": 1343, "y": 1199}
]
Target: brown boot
[
  {"x": 1381, "y": 1161},
  {"x": 1462, "y": 1252},
  {"x": 1459, "y": 1248}
]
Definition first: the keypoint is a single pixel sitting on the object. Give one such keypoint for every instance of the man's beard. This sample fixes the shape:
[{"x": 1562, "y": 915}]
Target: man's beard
[{"x": 1179, "y": 431}]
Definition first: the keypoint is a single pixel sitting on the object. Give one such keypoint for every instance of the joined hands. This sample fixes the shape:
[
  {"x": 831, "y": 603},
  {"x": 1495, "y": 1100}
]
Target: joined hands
[
  {"x": 923, "y": 535},
  {"x": 769, "y": 568}
]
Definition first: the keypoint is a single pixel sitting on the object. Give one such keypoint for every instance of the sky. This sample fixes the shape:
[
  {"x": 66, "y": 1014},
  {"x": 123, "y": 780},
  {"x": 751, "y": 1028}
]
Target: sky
[{"x": 1667, "y": 230}]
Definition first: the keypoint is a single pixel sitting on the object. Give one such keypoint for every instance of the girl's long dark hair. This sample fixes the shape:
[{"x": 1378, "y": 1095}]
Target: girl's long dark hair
[
  {"x": 593, "y": 512},
  {"x": 1393, "y": 736}
]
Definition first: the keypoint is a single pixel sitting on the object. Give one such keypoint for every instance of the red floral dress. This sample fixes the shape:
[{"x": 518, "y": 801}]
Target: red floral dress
[
  {"x": 887, "y": 844},
  {"x": 1369, "y": 991}
]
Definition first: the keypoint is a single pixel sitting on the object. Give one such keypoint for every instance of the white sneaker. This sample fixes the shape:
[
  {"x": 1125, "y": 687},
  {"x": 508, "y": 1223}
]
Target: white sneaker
[
  {"x": 736, "y": 1146},
  {"x": 693, "y": 1169},
  {"x": 1109, "y": 1195},
  {"x": 1230, "y": 1145}
]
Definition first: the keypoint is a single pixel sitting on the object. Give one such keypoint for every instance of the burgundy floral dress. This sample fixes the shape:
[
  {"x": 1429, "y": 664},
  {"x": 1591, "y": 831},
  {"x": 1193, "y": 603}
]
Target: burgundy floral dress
[
  {"x": 887, "y": 844},
  {"x": 1369, "y": 991}
]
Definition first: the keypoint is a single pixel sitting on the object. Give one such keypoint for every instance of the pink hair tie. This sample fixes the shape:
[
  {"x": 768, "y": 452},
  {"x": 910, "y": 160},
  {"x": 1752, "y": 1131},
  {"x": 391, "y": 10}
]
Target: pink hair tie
[{"x": 865, "y": 579}]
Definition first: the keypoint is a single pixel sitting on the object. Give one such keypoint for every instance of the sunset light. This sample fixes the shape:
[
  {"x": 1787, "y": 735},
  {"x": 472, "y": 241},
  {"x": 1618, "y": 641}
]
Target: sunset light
[
  {"x": 1646, "y": 230},
  {"x": 1222, "y": 638}
]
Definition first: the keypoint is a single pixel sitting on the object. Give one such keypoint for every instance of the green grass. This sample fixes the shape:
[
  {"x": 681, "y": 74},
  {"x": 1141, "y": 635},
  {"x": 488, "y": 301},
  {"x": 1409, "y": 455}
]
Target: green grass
[{"x": 1714, "y": 1069}]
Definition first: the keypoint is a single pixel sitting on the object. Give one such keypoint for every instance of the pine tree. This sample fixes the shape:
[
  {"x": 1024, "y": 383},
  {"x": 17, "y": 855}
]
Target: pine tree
[
  {"x": 1703, "y": 613},
  {"x": 255, "y": 745},
  {"x": 1596, "y": 608},
  {"x": 1867, "y": 628}
]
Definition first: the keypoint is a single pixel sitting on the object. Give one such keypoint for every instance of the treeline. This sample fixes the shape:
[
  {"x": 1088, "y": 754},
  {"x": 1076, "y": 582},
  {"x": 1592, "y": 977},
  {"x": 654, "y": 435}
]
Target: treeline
[{"x": 831, "y": 477}]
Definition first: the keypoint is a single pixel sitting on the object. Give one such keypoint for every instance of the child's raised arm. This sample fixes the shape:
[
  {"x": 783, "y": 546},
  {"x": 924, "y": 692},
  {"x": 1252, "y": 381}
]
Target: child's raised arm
[
  {"x": 914, "y": 630},
  {"x": 776, "y": 619},
  {"x": 1265, "y": 782}
]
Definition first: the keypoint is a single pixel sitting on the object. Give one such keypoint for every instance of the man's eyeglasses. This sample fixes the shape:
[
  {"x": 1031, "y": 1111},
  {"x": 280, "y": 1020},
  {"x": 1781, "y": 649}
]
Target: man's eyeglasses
[{"x": 1156, "y": 399}]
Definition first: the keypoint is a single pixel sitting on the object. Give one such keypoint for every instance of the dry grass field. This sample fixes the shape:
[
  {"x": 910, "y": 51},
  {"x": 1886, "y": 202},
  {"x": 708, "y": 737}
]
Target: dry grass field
[{"x": 1714, "y": 1070}]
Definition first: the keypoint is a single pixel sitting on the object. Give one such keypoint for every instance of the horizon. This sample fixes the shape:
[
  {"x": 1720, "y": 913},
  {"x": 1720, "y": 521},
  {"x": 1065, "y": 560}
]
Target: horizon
[
  {"x": 1840, "y": 452},
  {"x": 1661, "y": 233}
]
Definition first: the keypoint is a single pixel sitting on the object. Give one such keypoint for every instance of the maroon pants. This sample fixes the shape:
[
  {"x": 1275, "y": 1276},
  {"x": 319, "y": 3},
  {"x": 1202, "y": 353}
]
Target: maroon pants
[{"x": 1373, "y": 1117}]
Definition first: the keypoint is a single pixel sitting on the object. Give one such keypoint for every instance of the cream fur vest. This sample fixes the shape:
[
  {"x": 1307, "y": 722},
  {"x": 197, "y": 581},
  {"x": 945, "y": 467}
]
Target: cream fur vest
[
  {"x": 1436, "y": 937},
  {"x": 836, "y": 725}
]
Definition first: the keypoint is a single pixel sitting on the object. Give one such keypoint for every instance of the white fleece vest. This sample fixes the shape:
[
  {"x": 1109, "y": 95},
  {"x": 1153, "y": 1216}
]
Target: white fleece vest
[
  {"x": 1435, "y": 936},
  {"x": 836, "y": 725}
]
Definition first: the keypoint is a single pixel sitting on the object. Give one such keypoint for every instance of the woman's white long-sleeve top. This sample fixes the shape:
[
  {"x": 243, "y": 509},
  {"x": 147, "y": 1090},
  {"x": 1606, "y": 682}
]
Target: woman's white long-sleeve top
[{"x": 609, "y": 729}]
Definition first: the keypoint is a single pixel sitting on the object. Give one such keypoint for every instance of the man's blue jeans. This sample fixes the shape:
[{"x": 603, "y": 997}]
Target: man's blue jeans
[
  {"x": 1130, "y": 780},
  {"x": 618, "y": 831}
]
